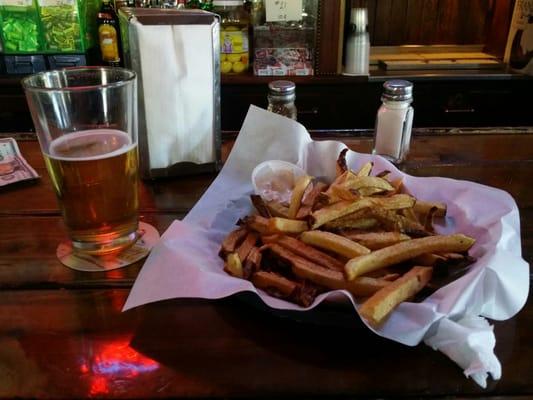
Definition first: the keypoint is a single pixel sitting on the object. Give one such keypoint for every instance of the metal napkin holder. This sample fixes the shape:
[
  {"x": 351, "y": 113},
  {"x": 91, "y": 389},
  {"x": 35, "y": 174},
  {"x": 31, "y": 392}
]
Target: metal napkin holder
[{"x": 154, "y": 16}]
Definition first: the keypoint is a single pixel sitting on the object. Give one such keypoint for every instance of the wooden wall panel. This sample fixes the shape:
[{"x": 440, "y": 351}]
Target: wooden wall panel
[
  {"x": 448, "y": 31},
  {"x": 412, "y": 21},
  {"x": 396, "y": 22},
  {"x": 382, "y": 22}
]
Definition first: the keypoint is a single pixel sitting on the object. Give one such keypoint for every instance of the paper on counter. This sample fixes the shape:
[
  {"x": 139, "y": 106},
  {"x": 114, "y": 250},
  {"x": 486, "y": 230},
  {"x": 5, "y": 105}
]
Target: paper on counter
[
  {"x": 185, "y": 262},
  {"x": 13, "y": 167},
  {"x": 177, "y": 69}
]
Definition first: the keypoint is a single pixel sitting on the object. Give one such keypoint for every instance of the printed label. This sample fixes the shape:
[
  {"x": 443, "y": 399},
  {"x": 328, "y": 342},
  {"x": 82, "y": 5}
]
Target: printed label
[{"x": 283, "y": 10}]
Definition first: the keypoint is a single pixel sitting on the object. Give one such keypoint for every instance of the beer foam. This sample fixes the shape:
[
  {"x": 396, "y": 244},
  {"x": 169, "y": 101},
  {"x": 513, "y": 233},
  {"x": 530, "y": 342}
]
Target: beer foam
[{"x": 93, "y": 144}]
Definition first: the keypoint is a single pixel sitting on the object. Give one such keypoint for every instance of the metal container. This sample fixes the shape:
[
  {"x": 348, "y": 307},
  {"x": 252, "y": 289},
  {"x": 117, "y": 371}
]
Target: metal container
[{"x": 150, "y": 60}]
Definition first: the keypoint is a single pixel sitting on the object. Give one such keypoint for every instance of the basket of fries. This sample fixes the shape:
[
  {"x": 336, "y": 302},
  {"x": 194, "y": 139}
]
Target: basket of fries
[{"x": 407, "y": 252}]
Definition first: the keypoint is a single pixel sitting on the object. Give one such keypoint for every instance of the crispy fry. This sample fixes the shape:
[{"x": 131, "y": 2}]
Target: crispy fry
[
  {"x": 338, "y": 210},
  {"x": 233, "y": 265},
  {"x": 246, "y": 245},
  {"x": 343, "y": 208},
  {"x": 273, "y": 282},
  {"x": 277, "y": 209},
  {"x": 284, "y": 225},
  {"x": 260, "y": 206},
  {"x": 303, "y": 250},
  {"x": 376, "y": 240},
  {"x": 257, "y": 223},
  {"x": 366, "y": 169},
  {"x": 334, "y": 243},
  {"x": 252, "y": 263},
  {"x": 404, "y": 251},
  {"x": 340, "y": 166},
  {"x": 359, "y": 182},
  {"x": 378, "y": 306},
  {"x": 422, "y": 207},
  {"x": 306, "y": 269},
  {"x": 392, "y": 221},
  {"x": 362, "y": 223},
  {"x": 310, "y": 200},
  {"x": 232, "y": 241},
  {"x": 297, "y": 194}
]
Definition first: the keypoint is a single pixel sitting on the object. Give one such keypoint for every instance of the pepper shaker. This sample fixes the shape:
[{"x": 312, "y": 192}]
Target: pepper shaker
[{"x": 281, "y": 96}]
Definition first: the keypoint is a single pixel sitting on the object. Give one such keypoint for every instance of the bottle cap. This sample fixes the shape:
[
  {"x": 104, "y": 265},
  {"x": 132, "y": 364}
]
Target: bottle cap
[
  {"x": 282, "y": 87},
  {"x": 359, "y": 18},
  {"x": 398, "y": 90}
]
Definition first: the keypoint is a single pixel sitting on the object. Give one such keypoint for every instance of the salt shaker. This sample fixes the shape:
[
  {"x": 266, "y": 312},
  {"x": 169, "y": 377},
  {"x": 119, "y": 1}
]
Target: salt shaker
[
  {"x": 357, "y": 44},
  {"x": 281, "y": 95},
  {"x": 394, "y": 121}
]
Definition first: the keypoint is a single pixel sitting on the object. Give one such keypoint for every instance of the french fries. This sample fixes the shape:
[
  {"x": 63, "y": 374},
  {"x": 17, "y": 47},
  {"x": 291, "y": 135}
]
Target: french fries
[
  {"x": 381, "y": 303},
  {"x": 334, "y": 243},
  {"x": 404, "y": 251},
  {"x": 361, "y": 233}
]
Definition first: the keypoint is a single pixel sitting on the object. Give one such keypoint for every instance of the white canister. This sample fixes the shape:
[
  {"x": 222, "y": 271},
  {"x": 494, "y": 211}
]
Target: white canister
[{"x": 394, "y": 121}]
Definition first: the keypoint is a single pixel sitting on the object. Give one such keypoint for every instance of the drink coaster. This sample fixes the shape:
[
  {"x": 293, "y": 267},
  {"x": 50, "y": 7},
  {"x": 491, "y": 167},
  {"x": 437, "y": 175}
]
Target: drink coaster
[{"x": 148, "y": 236}]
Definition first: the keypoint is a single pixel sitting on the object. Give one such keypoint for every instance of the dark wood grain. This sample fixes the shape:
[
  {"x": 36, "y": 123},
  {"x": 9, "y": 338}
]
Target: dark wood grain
[
  {"x": 413, "y": 18},
  {"x": 382, "y": 22},
  {"x": 74, "y": 344}
]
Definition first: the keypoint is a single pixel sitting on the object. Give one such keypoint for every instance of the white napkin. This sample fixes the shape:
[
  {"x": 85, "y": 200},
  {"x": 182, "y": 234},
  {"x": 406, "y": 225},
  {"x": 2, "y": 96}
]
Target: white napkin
[
  {"x": 177, "y": 81},
  {"x": 469, "y": 342}
]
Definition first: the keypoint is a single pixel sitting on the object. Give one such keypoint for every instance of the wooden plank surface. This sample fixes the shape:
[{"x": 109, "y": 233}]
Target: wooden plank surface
[{"x": 74, "y": 344}]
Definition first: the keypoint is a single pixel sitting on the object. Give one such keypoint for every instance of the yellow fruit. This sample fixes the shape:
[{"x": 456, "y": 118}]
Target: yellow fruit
[
  {"x": 238, "y": 67},
  {"x": 234, "y": 57},
  {"x": 230, "y": 28},
  {"x": 225, "y": 67},
  {"x": 223, "y": 57}
]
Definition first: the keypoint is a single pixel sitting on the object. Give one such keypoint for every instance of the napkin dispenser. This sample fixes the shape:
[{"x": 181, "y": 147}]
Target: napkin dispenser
[{"x": 175, "y": 54}]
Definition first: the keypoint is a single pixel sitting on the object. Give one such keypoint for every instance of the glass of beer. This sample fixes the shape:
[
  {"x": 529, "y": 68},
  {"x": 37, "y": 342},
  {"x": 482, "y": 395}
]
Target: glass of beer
[{"x": 86, "y": 123}]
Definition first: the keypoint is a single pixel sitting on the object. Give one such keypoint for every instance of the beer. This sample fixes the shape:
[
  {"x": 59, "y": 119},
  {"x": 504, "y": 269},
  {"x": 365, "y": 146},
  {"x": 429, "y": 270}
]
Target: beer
[{"x": 94, "y": 173}]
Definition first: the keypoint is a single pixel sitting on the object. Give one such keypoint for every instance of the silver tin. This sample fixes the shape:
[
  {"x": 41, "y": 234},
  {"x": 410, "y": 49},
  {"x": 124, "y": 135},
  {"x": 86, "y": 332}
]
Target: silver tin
[{"x": 154, "y": 16}]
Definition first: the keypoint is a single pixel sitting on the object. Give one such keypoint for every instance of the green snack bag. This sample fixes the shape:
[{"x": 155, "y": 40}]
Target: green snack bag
[{"x": 19, "y": 27}]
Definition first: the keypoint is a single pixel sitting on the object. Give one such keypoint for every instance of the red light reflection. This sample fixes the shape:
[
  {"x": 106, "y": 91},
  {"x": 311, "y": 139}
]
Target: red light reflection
[{"x": 113, "y": 361}]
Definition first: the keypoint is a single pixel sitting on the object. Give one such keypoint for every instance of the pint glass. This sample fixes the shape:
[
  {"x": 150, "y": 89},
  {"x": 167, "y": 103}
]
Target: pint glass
[{"x": 86, "y": 123}]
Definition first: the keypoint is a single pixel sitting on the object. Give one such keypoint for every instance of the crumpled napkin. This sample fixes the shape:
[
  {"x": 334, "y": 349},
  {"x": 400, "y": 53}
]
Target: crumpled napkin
[{"x": 469, "y": 342}]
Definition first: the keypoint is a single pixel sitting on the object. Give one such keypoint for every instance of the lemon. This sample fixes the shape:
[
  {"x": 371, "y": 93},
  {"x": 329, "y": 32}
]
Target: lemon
[
  {"x": 230, "y": 28},
  {"x": 238, "y": 67},
  {"x": 223, "y": 57},
  {"x": 234, "y": 57},
  {"x": 225, "y": 67}
]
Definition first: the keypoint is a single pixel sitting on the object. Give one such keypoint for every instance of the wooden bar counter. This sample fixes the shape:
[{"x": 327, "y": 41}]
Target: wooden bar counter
[{"x": 63, "y": 335}]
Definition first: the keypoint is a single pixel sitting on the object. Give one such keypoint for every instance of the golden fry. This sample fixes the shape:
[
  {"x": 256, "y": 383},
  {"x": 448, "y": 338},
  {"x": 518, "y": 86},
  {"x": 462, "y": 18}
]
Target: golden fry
[
  {"x": 379, "y": 305},
  {"x": 404, "y": 251},
  {"x": 284, "y": 225},
  {"x": 297, "y": 194},
  {"x": 376, "y": 240},
  {"x": 334, "y": 243},
  {"x": 233, "y": 265},
  {"x": 366, "y": 169}
]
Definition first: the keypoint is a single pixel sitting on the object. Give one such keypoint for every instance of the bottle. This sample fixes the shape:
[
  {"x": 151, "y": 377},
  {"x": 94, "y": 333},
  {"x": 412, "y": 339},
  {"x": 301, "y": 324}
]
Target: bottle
[
  {"x": 109, "y": 35},
  {"x": 357, "y": 44},
  {"x": 234, "y": 27},
  {"x": 281, "y": 96},
  {"x": 394, "y": 121}
]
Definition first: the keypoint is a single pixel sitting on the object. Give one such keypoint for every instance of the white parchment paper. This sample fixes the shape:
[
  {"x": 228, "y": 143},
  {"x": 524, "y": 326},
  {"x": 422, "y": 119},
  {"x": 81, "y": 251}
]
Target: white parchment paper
[{"x": 185, "y": 264}]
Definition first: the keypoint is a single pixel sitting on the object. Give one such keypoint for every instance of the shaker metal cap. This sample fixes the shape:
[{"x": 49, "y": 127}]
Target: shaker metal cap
[
  {"x": 282, "y": 87},
  {"x": 398, "y": 90}
]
